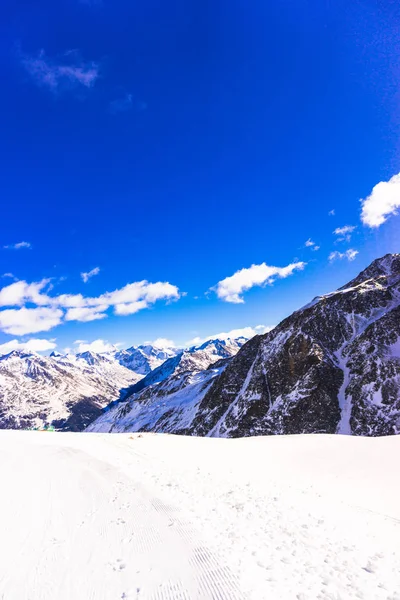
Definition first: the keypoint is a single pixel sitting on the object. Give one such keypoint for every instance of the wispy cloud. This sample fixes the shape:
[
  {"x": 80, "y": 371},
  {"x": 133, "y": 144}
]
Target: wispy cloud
[
  {"x": 344, "y": 233},
  {"x": 231, "y": 288},
  {"x": 86, "y": 276},
  {"x": 310, "y": 244},
  {"x": 332, "y": 212},
  {"x": 61, "y": 72},
  {"x": 349, "y": 254},
  {"x": 18, "y": 246},
  {"x": 53, "y": 310},
  {"x": 383, "y": 201}
]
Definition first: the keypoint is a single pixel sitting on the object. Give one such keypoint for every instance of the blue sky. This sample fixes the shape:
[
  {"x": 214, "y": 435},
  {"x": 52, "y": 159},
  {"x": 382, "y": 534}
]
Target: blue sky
[{"x": 179, "y": 143}]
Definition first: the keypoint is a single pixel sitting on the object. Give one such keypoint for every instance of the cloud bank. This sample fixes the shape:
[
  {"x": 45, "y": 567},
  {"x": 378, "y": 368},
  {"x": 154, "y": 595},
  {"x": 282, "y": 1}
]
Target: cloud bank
[{"x": 49, "y": 311}]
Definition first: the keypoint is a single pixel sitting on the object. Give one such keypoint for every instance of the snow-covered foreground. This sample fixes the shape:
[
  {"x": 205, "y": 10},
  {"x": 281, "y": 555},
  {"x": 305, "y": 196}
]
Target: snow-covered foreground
[{"x": 92, "y": 516}]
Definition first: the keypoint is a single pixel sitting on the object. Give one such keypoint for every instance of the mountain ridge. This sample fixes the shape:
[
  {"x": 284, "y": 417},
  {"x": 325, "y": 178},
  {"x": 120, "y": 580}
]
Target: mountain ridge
[{"x": 68, "y": 391}]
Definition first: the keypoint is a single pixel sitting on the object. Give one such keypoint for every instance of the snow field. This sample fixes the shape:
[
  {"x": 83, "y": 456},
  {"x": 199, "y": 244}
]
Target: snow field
[{"x": 94, "y": 516}]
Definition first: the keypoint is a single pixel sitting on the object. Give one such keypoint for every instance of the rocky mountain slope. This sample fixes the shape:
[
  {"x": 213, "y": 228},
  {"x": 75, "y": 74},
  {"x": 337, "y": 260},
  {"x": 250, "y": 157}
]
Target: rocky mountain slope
[{"x": 331, "y": 367}]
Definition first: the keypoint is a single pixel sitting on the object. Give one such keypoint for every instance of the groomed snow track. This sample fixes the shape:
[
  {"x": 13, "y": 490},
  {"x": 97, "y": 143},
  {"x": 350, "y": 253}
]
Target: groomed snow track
[{"x": 88, "y": 531}]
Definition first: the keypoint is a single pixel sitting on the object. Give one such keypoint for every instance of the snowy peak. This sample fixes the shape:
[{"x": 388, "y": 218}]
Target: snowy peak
[
  {"x": 195, "y": 359},
  {"x": 92, "y": 358},
  {"x": 17, "y": 354},
  {"x": 378, "y": 271},
  {"x": 143, "y": 359},
  {"x": 222, "y": 348}
]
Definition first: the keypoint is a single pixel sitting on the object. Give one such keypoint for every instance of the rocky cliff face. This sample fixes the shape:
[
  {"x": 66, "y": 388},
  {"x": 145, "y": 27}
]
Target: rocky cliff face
[{"x": 331, "y": 367}]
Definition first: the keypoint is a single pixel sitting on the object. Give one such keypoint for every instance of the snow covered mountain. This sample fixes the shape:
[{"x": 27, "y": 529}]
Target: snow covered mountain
[
  {"x": 196, "y": 358},
  {"x": 67, "y": 392},
  {"x": 167, "y": 393},
  {"x": 331, "y": 367},
  {"x": 143, "y": 359}
]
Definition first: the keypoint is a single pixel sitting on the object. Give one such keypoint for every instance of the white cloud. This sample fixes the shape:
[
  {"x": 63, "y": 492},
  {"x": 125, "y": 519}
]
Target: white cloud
[
  {"x": 55, "y": 74},
  {"x": 344, "y": 230},
  {"x": 21, "y": 292},
  {"x": 95, "y": 346},
  {"x": 18, "y": 246},
  {"x": 349, "y": 254},
  {"x": 383, "y": 201},
  {"x": 231, "y": 288},
  {"x": 89, "y": 274},
  {"x": 311, "y": 244},
  {"x": 130, "y": 308},
  {"x": 246, "y": 332},
  {"x": 140, "y": 291},
  {"x": 332, "y": 213},
  {"x": 344, "y": 233},
  {"x": 29, "y": 320},
  {"x": 126, "y": 301},
  {"x": 32, "y": 345},
  {"x": 70, "y": 300},
  {"x": 10, "y": 275},
  {"x": 162, "y": 343},
  {"x": 86, "y": 314}
]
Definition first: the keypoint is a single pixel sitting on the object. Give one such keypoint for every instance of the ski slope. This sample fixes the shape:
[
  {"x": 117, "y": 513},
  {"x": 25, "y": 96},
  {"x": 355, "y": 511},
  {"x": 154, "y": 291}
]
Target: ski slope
[{"x": 97, "y": 516}]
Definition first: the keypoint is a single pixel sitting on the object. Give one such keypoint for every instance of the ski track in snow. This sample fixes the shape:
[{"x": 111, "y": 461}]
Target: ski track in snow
[
  {"x": 147, "y": 516},
  {"x": 118, "y": 540}
]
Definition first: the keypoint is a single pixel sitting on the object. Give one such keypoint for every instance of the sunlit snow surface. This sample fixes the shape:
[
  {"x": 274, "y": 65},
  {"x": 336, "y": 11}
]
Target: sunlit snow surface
[{"x": 93, "y": 516}]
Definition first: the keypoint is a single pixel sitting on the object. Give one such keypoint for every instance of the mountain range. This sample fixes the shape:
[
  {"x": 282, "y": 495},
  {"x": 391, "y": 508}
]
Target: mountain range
[
  {"x": 69, "y": 391},
  {"x": 331, "y": 367}
]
